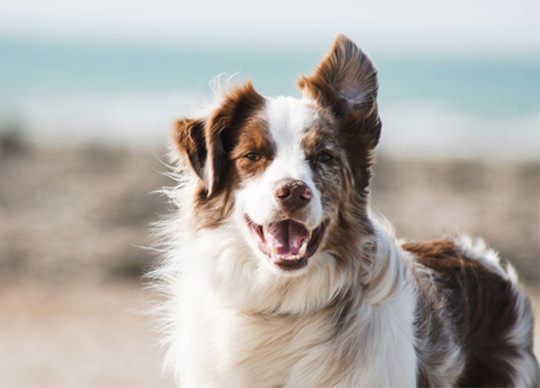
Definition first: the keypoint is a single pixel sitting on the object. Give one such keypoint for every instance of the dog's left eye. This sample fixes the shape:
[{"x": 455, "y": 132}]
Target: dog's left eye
[
  {"x": 324, "y": 157},
  {"x": 253, "y": 156}
]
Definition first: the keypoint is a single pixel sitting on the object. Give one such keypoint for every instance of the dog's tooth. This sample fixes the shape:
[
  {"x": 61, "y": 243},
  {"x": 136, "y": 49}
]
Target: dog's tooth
[{"x": 303, "y": 248}]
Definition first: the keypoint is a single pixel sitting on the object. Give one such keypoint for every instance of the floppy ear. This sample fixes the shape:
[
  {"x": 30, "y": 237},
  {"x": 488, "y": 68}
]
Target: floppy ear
[
  {"x": 346, "y": 83},
  {"x": 189, "y": 139},
  {"x": 206, "y": 143}
]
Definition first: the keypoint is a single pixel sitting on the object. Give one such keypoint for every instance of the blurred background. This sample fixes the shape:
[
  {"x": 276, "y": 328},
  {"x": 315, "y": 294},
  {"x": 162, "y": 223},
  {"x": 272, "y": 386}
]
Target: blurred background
[{"x": 88, "y": 92}]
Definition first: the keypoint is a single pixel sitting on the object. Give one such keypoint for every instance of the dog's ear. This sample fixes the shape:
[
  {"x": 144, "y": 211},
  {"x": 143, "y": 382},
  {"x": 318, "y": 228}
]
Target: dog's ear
[
  {"x": 189, "y": 139},
  {"x": 346, "y": 83},
  {"x": 206, "y": 143}
]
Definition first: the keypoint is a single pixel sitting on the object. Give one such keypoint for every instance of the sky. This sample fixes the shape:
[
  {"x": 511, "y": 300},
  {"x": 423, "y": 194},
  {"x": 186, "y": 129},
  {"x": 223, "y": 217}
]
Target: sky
[{"x": 475, "y": 26}]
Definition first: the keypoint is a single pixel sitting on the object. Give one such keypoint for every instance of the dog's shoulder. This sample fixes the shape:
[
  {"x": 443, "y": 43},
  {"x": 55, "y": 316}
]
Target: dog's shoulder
[{"x": 488, "y": 312}]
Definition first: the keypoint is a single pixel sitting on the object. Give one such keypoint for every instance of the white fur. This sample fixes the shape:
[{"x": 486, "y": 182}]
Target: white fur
[
  {"x": 218, "y": 333},
  {"x": 478, "y": 250}
]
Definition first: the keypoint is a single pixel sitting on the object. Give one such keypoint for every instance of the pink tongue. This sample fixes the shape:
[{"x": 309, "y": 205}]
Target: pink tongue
[{"x": 286, "y": 237}]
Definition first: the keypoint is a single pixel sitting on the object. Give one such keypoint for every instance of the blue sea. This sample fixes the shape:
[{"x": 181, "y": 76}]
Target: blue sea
[{"x": 431, "y": 105}]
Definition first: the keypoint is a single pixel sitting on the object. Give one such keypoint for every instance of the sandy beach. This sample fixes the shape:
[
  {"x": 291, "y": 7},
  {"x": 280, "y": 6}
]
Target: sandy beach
[{"x": 73, "y": 221}]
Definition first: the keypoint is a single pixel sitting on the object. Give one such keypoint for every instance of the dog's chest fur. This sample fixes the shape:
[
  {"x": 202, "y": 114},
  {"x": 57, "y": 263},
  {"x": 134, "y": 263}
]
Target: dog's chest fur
[{"x": 222, "y": 346}]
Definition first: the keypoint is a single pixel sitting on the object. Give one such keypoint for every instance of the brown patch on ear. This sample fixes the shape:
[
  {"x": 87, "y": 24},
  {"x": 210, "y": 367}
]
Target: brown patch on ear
[
  {"x": 189, "y": 138},
  {"x": 345, "y": 82},
  {"x": 222, "y": 130},
  {"x": 209, "y": 146},
  {"x": 211, "y": 141},
  {"x": 345, "y": 76}
]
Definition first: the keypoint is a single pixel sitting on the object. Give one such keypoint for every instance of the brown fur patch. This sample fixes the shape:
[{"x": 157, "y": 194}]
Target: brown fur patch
[
  {"x": 342, "y": 204},
  {"x": 345, "y": 80},
  {"x": 189, "y": 138},
  {"x": 222, "y": 130},
  {"x": 474, "y": 303},
  {"x": 215, "y": 142},
  {"x": 333, "y": 175},
  {"x": 253, "y": 138},
  {"x": 345, "y": 88}
]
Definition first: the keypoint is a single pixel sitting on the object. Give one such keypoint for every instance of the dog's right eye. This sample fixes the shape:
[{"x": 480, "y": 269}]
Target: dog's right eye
[
  {"x": 324, "y": 157},
  {"x": 253, "y": 156}
]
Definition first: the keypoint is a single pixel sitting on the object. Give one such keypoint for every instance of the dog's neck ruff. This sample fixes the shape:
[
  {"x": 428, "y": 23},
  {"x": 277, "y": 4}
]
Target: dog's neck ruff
[{"x": 211, "y": 283}]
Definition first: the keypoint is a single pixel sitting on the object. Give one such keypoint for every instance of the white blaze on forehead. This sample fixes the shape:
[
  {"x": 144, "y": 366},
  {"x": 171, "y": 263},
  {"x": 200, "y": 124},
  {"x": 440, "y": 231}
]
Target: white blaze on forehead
[{"x": 288, "y": 118}]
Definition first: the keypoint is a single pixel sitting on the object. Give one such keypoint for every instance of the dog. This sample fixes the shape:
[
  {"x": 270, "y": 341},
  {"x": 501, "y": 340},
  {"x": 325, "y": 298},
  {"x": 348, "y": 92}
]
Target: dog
[{"x": 276, "y": 273}]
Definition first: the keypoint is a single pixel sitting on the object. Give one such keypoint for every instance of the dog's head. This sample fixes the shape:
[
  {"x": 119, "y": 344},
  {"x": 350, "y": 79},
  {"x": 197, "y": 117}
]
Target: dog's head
[{"x": 292, "y": 174}]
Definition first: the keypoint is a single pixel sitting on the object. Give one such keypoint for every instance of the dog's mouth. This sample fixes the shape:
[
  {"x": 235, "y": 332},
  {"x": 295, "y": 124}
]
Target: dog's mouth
[{"x": 287, "y": 243}]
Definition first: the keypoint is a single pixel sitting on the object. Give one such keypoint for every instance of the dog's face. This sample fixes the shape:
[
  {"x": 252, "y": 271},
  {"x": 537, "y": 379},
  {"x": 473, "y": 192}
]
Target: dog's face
[{"x": 291, "y": 174}]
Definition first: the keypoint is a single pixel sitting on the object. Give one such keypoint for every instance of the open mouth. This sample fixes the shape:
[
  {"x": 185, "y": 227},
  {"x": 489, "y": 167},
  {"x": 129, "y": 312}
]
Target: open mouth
[{"x": 287, "y": 243}]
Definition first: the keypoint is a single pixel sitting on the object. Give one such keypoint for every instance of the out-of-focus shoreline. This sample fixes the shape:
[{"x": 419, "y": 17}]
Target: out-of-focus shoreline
[{"x": 84, "y": 211}]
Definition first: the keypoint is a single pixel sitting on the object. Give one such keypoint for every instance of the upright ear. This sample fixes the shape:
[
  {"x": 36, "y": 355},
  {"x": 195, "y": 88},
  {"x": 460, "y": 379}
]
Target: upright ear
[
  {"x": 206, "y": 143},
  {"x": 346, "y": 83}
]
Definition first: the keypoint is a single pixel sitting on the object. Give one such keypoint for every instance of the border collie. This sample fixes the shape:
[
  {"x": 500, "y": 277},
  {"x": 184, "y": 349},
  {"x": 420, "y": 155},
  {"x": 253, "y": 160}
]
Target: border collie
[{"x": 276, "y": 273}]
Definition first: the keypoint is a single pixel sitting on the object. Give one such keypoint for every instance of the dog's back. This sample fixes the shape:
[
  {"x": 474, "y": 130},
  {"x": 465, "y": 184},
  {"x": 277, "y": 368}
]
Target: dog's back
[{"x": 471, "y": 301}]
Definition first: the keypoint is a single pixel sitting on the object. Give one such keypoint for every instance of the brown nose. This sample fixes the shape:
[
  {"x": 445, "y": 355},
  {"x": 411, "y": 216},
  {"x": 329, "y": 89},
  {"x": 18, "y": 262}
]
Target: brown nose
[{"x": 293, "y": 194}]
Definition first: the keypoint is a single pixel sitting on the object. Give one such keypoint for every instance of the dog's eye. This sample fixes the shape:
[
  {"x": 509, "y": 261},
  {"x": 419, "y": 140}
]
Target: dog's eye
[
  {"x": 324, "y": 157},
  {"x": 253, "y": 156}
]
